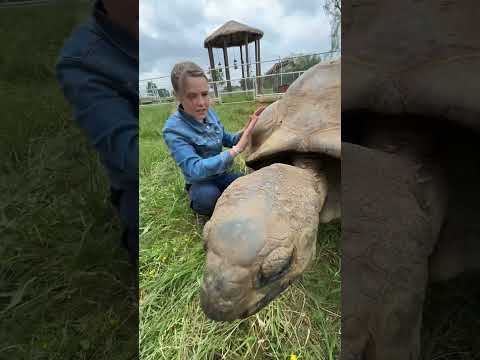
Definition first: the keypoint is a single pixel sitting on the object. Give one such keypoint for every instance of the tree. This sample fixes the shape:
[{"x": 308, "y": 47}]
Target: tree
[
  {"x": 303, "y": 62},
  {"x": 152, "y": 89},
  {"x": 296, "y": 62},
  {"x": 163, "y": 93},
  {"x": 333, "y": 8},
  {"x": 217, "y": 75},
  {"x": 246, "y": 84}
]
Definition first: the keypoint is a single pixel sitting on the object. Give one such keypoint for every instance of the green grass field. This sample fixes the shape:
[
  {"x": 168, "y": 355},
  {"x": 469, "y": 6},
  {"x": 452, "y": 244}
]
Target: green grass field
[
  {"x": 237, "y": 97},
  {"x": 304, "y": 321},
  {"x": 65, "y": 283}
]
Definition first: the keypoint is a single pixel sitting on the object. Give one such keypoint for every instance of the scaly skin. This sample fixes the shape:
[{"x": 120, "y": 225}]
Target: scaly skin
[
  {"x": 403, "y": 58},
  {"x": 390, "y": 226},
  {"x": 264, "y": 222}
]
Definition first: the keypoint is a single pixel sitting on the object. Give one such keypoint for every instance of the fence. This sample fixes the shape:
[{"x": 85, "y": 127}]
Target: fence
[{"x": 240, "y": 89}]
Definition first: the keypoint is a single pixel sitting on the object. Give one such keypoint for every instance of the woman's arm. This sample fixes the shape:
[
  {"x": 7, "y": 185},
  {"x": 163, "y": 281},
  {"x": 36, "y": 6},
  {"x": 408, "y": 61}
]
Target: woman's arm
[
  {"x": 193, "y": 166},
  {"x": 230, "y": 140},
  {"x": 109, "y": 120}
]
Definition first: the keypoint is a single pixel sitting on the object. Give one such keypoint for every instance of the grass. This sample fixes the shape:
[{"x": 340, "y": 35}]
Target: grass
[
  {"x": 230, "y": 98},
  {"x": 304, "y": 320},
  {"x": 66, "y": 286},
  {"x": 452, "y": 320}
]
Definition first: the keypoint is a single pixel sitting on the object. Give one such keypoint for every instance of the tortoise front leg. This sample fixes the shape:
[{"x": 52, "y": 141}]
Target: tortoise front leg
[{"x": 388, "y": 233}]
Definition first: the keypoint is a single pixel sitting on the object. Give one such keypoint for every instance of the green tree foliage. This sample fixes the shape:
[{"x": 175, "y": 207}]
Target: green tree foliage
[
  {"x": 152, "y": 89},
  {"x": 294, "y": 63},
  {"x": 217, "y": 75},
  {"x": 333, "y": 9},
  {"x": 163, "y": 93}
]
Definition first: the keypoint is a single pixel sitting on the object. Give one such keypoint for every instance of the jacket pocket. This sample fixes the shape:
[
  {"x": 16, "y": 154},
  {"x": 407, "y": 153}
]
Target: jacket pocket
[{"x": 201, "y": 144}]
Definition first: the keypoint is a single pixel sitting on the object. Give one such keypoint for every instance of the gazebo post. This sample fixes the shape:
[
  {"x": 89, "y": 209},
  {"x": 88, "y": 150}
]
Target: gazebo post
[
  {"x": 212, "y": 69},
  {"x": 257, "y": 66},
  {"x": 244, "y": 85},
  {"x": 246, "y": 56},
  {"x": 259, "y": 60},
  {"x": 227, "y": 70}
]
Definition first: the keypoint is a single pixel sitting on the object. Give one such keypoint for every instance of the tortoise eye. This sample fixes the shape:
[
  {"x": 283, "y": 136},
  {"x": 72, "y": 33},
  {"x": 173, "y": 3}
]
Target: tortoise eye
[{"x": 277, "y": 263}]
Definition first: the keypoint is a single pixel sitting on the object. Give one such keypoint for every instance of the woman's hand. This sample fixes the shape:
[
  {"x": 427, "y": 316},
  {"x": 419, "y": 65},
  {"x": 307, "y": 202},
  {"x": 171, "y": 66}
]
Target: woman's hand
[
  {"x": 254, "y": 118},
  {"x": 259, "y": 110},
  {"x": 247, "y": 131}
]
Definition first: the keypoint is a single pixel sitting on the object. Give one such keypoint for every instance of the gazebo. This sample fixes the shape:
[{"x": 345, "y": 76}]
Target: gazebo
[{"x": 232, "y": 34}]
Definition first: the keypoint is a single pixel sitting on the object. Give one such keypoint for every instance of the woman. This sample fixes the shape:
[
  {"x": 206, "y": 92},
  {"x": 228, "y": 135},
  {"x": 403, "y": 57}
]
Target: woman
[{"x": 195, "y": 137}]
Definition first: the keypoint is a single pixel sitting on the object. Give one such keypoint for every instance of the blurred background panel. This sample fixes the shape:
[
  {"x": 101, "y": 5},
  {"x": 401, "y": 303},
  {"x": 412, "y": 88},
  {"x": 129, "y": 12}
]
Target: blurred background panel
[
  {"x": 410, "y": 131},
  {"x": 67, "y": 290}
]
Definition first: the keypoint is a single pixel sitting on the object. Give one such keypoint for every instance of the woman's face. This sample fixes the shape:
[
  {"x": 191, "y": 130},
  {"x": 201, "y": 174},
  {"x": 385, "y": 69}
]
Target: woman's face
[{"x": 195, "y": 97}]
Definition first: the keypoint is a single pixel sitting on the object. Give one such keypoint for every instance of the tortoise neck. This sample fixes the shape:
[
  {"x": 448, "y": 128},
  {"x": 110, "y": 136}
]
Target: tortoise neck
[
  {"x": 314, "y": 165},
  {"x": 308, "y": 162}
]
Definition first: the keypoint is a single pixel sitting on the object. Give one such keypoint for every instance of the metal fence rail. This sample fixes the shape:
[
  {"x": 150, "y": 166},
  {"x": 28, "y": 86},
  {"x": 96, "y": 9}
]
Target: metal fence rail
[
  {"x": 243, "y": 89},
  {"x": 253, "y": 64},
  {"x": 266, "y": 87}
]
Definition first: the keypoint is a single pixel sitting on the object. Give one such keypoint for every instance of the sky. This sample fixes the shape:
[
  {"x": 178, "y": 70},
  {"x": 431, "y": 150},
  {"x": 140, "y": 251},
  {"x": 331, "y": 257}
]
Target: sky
[{"x": 173, "y": 31}]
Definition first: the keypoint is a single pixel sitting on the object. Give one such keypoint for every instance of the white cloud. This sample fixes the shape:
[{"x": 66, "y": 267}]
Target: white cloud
[
  {"x": 175, "y": 30},
  {"x": 242, "y": 11}
]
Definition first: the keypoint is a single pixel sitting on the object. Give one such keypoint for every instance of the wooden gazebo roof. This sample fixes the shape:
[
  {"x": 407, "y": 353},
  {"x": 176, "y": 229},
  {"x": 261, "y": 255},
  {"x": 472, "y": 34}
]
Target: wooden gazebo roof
[{"x": 234, "y": 34}]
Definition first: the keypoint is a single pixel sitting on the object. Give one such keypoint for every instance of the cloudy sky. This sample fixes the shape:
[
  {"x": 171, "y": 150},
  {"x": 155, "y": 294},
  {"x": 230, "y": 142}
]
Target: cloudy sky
[{"x": 172, "y": 31}]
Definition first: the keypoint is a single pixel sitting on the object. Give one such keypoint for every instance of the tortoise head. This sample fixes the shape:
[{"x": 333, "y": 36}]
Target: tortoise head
[{"x": 260, "y": 238}]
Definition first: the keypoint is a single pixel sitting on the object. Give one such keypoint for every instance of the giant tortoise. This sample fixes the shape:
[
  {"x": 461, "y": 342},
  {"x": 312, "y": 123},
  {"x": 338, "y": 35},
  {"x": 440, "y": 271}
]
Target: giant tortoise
[
  {"x": 263, "y": 231},
  {"x": 410, "y": 166}
]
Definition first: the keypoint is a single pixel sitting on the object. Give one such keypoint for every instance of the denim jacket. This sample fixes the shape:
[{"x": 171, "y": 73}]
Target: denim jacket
[
  {"x": 98, "y": 72},
  {"x": 196, "y": 147}
]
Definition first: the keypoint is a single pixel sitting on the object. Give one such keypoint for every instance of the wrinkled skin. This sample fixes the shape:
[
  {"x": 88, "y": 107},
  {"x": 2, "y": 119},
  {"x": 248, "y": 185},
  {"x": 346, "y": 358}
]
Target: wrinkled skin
[
  {"x": 410, "y": 217},
  {"x": 262, "y": 234},
  {"x": 263, "y": 238},
  {"x": 409, "y": 193},
  {"x": 387, "y": 236}
]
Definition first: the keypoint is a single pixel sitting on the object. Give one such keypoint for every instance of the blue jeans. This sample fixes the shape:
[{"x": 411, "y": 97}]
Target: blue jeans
[{"x": 204, "y": 194}]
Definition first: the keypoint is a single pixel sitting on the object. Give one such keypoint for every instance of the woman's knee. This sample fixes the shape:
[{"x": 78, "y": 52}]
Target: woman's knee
[{"x": 204, "y": 198}]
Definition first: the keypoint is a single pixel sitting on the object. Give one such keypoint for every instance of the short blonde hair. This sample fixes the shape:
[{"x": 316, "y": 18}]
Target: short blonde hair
[{"x": 181, "y": 71}]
